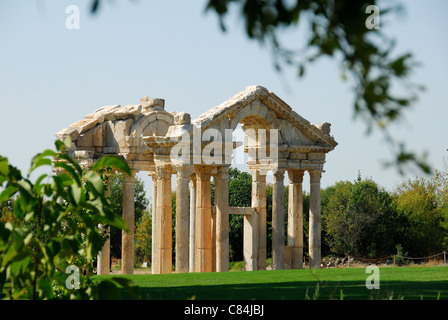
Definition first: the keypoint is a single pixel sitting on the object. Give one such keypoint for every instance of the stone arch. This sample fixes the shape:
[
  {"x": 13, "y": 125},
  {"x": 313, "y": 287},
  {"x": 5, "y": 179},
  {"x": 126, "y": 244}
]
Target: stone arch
[
  {"x": 255, "y": 113},
  {"x": 154, "y": 124}
]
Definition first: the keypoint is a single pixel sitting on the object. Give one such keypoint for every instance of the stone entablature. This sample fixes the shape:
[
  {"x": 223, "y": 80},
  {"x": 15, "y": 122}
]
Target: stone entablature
[{"x": 150, "y": 139}]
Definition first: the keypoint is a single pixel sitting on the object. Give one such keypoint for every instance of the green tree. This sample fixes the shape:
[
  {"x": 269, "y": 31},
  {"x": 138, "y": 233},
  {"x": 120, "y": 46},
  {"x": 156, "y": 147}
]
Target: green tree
[
  {"x": 240, "y": 195},
  {"x": 418, "y": 201},
  {"x": 359, "y": 219},
  {"x": 441, "y": 184},
  {"x": 143, "y": 238},
  {"x": 57, "y": 225}
]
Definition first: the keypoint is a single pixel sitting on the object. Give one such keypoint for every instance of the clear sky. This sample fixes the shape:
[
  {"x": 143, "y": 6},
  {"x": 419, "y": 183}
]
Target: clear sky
[{"x": 50, "y": 77}]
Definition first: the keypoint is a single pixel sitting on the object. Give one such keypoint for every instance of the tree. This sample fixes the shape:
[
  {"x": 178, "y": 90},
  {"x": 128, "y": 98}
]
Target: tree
[
  {"x": 417, "y": 200},
  {"x": 55, "y": 225},
  {"x": 441, "y": 184},
  {"x": 240, "y": 195},
  {"x": 357, "y": 218},
  {"x": 342, "y": 30},
  {"x": 143, "y": 237}
]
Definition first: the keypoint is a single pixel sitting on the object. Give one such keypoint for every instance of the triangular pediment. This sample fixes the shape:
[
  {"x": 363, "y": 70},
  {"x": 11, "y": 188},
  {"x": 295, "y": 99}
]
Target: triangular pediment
[{"x": 258, "y": 102}]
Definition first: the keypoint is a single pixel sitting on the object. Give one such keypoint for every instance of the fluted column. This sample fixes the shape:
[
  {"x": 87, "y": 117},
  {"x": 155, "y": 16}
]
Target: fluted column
[
  {"x": 103, "y": 260},
  {"x": 153, "y": 218},
  {"x": 259, "y": 203},
  {"x": 164, "y": 237},
  {"x": 127, "y": 238},
  {"x": 295, "y": 217},
  {"x": 314, "y": 222},
  {"x": 182, "y": 219},
  {"x": 192, "y": 220},
  {"x": 203, "y": 238},
  {"x": 222, "y": 218},
  {"x": 278, "y": 223}
]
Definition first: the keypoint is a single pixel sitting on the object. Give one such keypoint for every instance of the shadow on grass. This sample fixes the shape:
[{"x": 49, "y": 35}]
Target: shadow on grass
[{"x": 325, "y": 290}]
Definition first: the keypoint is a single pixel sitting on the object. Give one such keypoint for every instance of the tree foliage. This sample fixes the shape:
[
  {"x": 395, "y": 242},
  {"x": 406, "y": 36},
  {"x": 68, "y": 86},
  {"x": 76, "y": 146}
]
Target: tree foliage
[
  {"x": 143, "y": 238},
  {"x": 357, "y": 218},
  {"x": 365, "y": 220},
  {"x": 55, "y": 224},
  {"x": 417, "y": 200}
]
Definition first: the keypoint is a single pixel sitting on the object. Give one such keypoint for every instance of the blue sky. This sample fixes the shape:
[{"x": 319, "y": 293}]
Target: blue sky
[{"x": 51, "y": 77}]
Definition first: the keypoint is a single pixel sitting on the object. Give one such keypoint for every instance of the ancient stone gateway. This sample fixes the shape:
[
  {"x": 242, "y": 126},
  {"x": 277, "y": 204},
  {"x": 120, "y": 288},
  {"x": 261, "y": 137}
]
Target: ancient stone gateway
[{"x": 164, "y": 143}]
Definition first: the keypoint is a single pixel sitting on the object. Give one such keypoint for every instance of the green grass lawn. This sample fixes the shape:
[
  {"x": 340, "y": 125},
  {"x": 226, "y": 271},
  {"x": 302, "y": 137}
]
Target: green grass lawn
[{"x": 427, "y": 283}]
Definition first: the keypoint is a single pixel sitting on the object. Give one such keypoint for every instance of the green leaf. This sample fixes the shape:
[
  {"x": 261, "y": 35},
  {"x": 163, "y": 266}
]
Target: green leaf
[
  {"x": 78, "y": 194},
  {"x": 94, "y": 179},
  {"x": 70, "y": 170},
  {"x": 113, "y": 220},
  {"x": 41, "y": 159},
  {"x": 7, "y": 193},
  {"x": 4, "y": 168},
  {"x": 70, "y": 160},
  {"x": 114, "y": 162},
  {"x": 25, "y": 189},
  {"x": 60, "y": 145},
  {"x": 37, "y": 186}
]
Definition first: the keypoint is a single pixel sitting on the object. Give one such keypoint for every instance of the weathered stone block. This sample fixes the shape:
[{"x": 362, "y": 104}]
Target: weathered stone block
[
  {"x": 152, "y": 104},
  {"x": 316, "y": 156},
  {"x": 84, "y": 125}
]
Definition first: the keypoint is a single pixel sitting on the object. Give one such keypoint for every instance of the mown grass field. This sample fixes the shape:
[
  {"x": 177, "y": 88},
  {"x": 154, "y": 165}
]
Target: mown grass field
[{"x": 416, "y": 283}]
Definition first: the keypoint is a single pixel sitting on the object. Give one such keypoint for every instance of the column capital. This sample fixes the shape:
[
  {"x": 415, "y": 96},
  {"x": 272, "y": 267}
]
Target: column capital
[
  {"x": 279, "y": 174},
  {"x": 183, "y": 171},
  {"x": 204, "y": 173},
  {"x": 153, "y": 175},
  {"x": 295, "y": 176},
  {"x": 258, "y": 174},
  {"x": 222, "y": 172},
  {"x": 315, "y": 175},
  {"x": 129, "y": 179},
  {"x": 163, "y": 171}
]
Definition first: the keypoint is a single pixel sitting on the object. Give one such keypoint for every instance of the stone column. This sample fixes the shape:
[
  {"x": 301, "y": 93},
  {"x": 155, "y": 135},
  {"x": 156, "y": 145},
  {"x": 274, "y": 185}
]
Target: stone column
[
  {"x": 164, "y": 236},
  {"x": 278, "y": 223},
  {"x": 259, "y": 203},
  {"x": 314, "y": 222},
  {"x": 250, "y": 238},
  {"x": 127, "y": 238},
  {"x": 153, "y": 218},
  {"x": 192, "y": 220},
  {"x": 203, "y": 237},
  {"x": 295, "y": 217},
  {"x": 103, "y": 261},
  {"x": 182, "y": 219},
  {"x": 222, "y": 218}
]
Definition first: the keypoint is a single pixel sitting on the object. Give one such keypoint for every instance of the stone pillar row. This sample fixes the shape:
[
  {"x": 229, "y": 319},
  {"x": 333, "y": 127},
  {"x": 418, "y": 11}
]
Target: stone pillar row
[{"x": 202, "y": 234}]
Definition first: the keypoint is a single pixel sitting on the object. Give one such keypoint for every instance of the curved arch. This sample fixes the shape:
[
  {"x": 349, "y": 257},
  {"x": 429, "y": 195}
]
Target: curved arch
[{"x": 255, "y": 113}]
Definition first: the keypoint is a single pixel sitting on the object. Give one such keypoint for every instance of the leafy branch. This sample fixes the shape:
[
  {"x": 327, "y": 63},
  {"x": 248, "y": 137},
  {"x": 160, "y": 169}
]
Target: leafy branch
[{"x": 55, "y": 224}]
